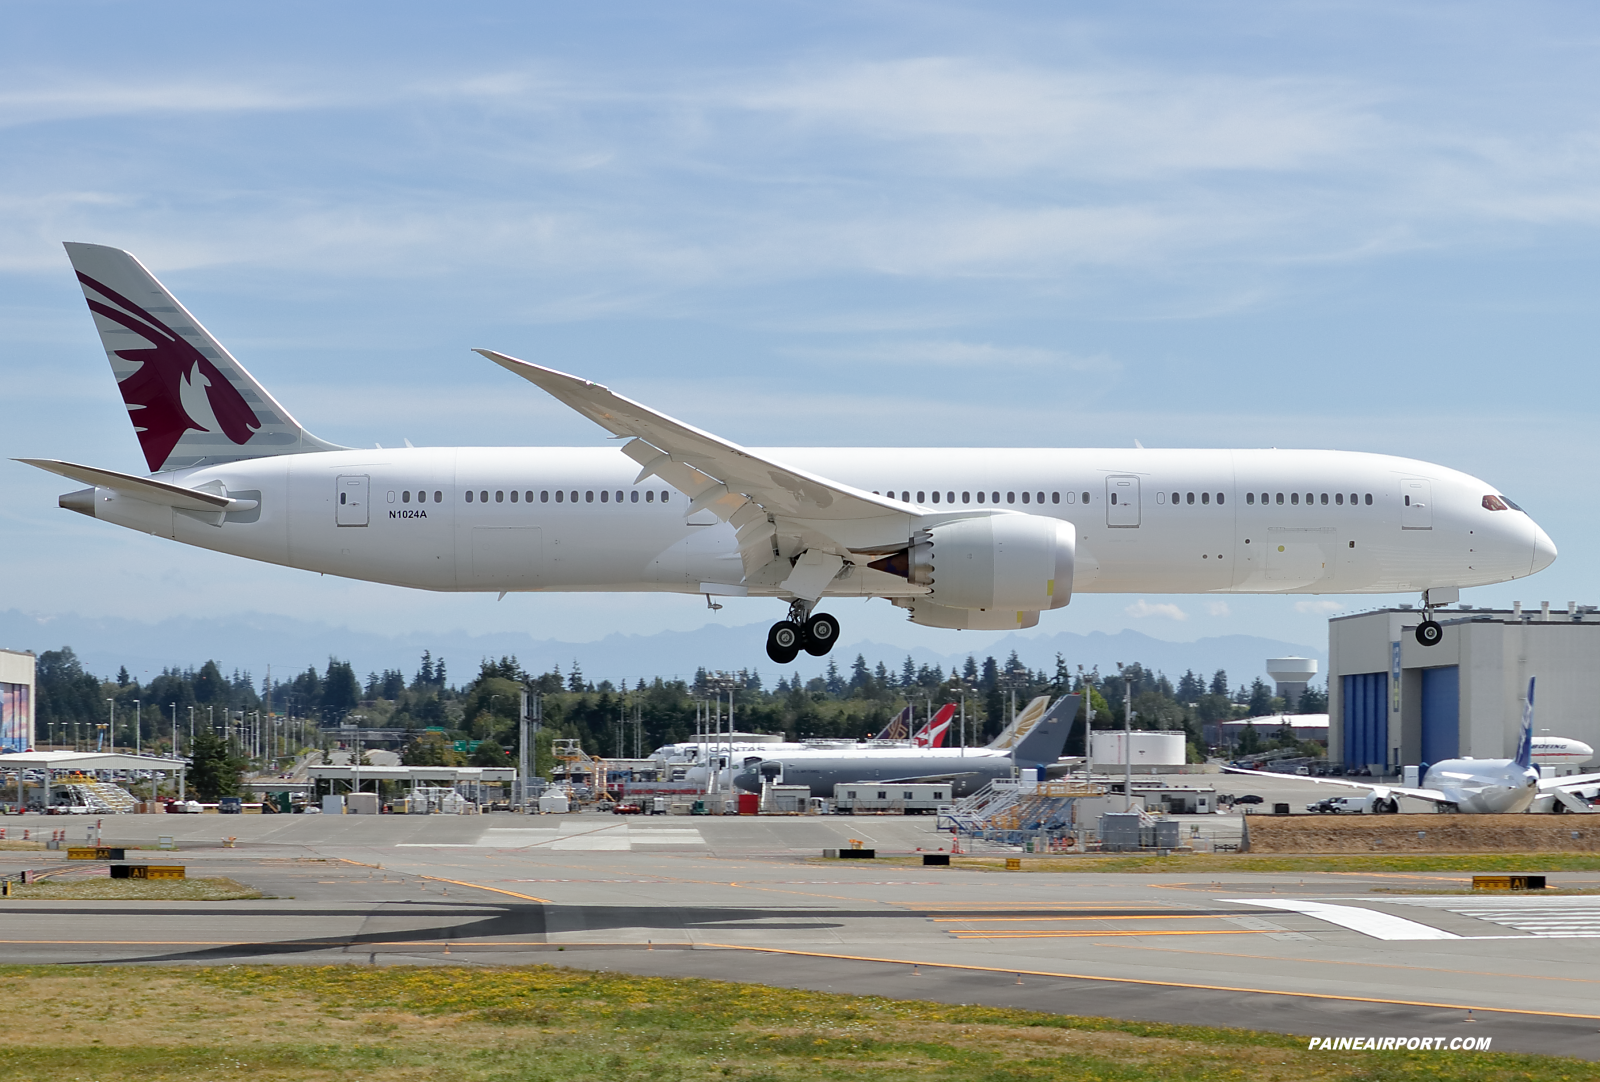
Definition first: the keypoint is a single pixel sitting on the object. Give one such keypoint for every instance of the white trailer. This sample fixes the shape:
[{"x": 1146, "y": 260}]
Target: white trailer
[{"x": 900, "y": 798}]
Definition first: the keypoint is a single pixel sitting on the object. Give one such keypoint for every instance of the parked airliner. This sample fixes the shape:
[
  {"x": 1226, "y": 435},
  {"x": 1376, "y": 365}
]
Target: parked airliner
[
  {"x": 963, "y": 538},
  {"x": 1486, "y": 786}
]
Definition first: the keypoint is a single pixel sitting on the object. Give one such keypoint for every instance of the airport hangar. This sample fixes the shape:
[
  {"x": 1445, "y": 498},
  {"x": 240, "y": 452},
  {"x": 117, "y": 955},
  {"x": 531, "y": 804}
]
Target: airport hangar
[{"x": 1393, "y": 701}]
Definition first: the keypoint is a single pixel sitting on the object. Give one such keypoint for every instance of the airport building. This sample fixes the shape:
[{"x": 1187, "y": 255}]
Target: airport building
[
  {"x": 16, "y": 701},
  {"x": 1393, "y": 701}
]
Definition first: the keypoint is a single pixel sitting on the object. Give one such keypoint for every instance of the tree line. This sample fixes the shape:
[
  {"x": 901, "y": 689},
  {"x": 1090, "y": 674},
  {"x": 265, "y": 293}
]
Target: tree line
[{"x": 611, "y": 719}]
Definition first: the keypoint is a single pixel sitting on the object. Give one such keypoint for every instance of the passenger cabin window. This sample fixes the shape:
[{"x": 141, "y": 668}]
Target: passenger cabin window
[
  {"x": 1294, "y": 498},
  {"x": 1085, "y": 497},
  {"x": 1368, "y": 500},
  {"x": 1161, "y": 497},
  {"x": 650, "y": 495},
  {"x": 469, "y": 496},
  {"x": 980, "y": 496},
  {"x": 1249, "y": 497},
  {"x": 588, "y": 497},
  {"x": 1040, "y": 496},
  {"x": 1025, "y": 497},
  {"x": 405, "y": 497},
  {"x": 1338, "y": 499},
  {"x": 921, "y": 497},
  {"x": 544, "y": 496},
  {"x": 1280, "y": 499},
  {"x": 1324, "y": 499},
  {"x": 633, "y": 496},
  {"x": 605, "y": 497},
  {"x": 513, "y": 495},
  {"x": 1205, "y": 497},
  {"x": 935, "y": 497},
  {"x": 966, "y": 498},
  {"x": 1221, "y": 498},
  {"x": 499, "y": 497},
  {"x": 1190, "y": 498}
]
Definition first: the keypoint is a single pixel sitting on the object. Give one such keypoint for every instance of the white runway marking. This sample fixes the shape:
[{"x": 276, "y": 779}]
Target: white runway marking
[
  {"x": 1366, "y": 921},
  {"x": 588, "y": 837},
  {"x": 1571, "y": 917}
]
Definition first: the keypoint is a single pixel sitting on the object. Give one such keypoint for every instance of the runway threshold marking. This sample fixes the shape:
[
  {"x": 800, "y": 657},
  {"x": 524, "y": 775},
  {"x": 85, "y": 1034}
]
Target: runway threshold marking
[{"x": 1008, "y": 970}]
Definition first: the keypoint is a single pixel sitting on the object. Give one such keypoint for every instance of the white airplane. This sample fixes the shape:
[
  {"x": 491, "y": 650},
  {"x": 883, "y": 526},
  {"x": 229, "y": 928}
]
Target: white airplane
[
  {"x": 958, "y": 537},
  {"x": 966, "y": 769},
  {"x": 1485, "y": 786},
  {"x": 1551, "y": 753}
]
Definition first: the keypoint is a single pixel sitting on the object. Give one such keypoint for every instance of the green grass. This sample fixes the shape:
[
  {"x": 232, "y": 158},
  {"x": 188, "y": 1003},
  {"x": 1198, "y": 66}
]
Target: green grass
[
  {"x": 106, "y": 889},
  {"x": 377, "y": 1024},
  {"x": 1182, "y": 863}
]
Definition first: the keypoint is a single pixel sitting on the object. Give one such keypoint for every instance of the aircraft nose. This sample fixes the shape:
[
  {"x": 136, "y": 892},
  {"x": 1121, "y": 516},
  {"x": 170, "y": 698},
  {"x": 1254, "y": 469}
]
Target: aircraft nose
[{"x": 1544, "y": 550}]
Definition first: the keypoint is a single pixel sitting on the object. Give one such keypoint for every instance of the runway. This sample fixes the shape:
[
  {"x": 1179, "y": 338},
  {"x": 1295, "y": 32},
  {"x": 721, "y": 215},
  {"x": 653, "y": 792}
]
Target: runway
[{"x": 750, "y": 900}]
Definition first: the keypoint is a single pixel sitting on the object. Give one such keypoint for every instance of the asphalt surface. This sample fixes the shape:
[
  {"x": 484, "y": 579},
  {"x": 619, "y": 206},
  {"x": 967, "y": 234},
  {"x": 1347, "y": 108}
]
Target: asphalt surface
[{"x": 751, "y": 899}]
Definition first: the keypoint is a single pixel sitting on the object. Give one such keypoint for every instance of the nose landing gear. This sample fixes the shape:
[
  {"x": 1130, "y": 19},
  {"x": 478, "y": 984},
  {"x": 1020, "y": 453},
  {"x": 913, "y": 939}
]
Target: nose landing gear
[
  {"x": 1429, "y": 632},
  {"x": 815, "y": 634}
]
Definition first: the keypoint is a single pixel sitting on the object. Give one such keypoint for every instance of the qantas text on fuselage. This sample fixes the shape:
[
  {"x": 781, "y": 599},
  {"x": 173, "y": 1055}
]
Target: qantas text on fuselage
[{"x": 960, "y": 538}]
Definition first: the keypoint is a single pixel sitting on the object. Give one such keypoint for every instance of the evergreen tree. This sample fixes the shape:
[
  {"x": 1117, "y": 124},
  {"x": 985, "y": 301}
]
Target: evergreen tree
[
  {"x": 340, "y": 691},
  {"x": 1260, "y": 698},
  {"x": 214, "y": 769},
  {"x": 1190, "y": 687},
  {"x": 908, "y": 673},
  {"x": 1313, "y": 701},
  {"x": 1219, "y": 683}
]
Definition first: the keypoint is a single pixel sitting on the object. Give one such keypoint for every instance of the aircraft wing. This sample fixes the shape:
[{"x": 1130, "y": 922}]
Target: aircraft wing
[
  {"x": 1570, "y": 782},
  {"x": 1434, "y": 795},
  {"x": 778, "y": 511}
]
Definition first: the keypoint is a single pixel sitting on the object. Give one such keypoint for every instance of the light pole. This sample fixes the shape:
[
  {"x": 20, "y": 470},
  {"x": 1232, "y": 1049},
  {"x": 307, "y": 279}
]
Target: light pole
[
  {"x": 174, "y": 729},
  {"x": 138, "y": 724},
  {"x": 1088, "y": 726},
  {"x": 191, "y": 728},
  {"x": 1127, "y": 737},
  {"x": 111, "y": 723}
]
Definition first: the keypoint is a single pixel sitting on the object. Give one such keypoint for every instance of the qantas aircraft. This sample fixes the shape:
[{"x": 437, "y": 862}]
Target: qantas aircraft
[
  {"x": 1487, "y": 786},
  {"x": 962, "y": 538}
]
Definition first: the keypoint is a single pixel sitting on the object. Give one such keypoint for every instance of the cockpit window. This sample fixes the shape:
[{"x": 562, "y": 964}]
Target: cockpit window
[
  {"x": 1492, "y": 502},
  {"x": 1511, "y": 505}
]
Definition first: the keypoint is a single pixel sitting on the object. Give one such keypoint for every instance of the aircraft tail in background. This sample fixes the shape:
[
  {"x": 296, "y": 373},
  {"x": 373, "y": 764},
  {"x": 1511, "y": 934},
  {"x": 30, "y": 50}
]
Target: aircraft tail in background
[
  {"x": 1525, "y": 746},
  {"x": 191, "y": 403}
]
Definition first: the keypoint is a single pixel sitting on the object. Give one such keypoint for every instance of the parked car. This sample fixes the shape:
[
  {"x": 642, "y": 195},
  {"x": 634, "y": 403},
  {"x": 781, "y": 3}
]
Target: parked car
[
  {"x": 1248, "y": 798},
  {"x": 230, "y": 805}
]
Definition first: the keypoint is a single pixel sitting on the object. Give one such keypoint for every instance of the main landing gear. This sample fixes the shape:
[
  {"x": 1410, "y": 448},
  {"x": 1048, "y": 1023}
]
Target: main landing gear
[{"x": 815, "y": 634}]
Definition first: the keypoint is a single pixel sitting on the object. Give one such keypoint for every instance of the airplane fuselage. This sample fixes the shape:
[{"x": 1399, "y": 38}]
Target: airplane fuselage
[
  {"x": 573, "y": 518},
  {"x": 1485, "y": 786}
]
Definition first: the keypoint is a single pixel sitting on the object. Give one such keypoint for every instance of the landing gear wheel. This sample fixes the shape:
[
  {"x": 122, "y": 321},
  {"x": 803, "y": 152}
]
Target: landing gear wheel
[
  {"x": 1429, "y": 633},
  {"x": 783, "y": 641},
  {"x": 822, "y": 631}
]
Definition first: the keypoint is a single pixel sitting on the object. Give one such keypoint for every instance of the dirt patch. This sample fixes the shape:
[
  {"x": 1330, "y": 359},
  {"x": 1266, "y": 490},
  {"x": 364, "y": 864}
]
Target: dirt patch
[{"x": 1424, "y": 834}]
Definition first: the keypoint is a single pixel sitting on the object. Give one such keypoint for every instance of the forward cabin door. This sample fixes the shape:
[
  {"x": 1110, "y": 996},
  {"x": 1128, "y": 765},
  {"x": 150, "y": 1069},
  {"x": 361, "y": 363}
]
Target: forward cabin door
[
  {"x": 1416, "y": 504},
  {"x": 1122, "y": 501},
  {"x": 350, "y": 508}
]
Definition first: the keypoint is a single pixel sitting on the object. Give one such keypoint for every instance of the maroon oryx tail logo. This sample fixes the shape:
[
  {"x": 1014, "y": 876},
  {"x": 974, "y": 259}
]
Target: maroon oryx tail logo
[{"x": 173, "y": 383}]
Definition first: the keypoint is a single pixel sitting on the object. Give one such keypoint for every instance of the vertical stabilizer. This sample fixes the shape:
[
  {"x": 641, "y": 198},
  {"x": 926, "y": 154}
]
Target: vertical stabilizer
[
  {"x": 1525, "y": 747},
  {"x": 1045, "y": 741},
  {"x": 191, "y": 403}
]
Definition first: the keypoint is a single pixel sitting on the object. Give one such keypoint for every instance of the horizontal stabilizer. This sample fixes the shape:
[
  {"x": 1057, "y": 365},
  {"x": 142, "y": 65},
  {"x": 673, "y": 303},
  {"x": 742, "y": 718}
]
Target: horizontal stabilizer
[{"x": 143, "y": 488}]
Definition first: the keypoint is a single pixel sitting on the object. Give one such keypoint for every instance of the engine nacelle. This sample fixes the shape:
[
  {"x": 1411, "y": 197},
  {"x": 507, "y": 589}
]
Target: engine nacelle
[
  {"x": 924, "y": 612},
  {"x": 1011, "y": 563}
]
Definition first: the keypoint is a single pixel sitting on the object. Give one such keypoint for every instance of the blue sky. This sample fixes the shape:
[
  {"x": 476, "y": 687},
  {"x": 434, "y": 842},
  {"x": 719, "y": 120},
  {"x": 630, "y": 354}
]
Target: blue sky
[{"x": 1358, "y": 226}]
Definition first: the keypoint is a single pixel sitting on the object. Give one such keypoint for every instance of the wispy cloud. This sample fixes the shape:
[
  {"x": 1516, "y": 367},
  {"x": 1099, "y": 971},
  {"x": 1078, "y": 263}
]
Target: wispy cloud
[
  {"x": 1218, "y": 608},
  {"x": 953, "y": 353},
  {"x": 1142, "y": 608},
  {"x": 1319, "y": 608}
]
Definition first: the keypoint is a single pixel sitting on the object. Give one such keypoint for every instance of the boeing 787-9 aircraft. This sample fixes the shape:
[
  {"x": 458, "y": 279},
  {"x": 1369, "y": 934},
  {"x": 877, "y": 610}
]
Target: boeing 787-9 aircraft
[{"x": 965, "y": 538}]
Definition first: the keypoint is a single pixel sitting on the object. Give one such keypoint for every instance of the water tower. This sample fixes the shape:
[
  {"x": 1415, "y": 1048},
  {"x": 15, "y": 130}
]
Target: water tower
[{"x": 1291, "y": 674}]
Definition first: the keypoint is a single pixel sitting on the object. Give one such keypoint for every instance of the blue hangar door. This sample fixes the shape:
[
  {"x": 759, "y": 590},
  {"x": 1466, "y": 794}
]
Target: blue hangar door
[
  {"x": 1441, "y": 713},
  {"x": 1366, "y": 719}
]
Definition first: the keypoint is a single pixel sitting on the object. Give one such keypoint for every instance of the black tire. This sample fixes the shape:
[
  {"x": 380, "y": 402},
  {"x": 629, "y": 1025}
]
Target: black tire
[
  {"x": 822, "y": 631},
  {"x": 783, "y": 641},
  {"x": 1429, "y": 633}
]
